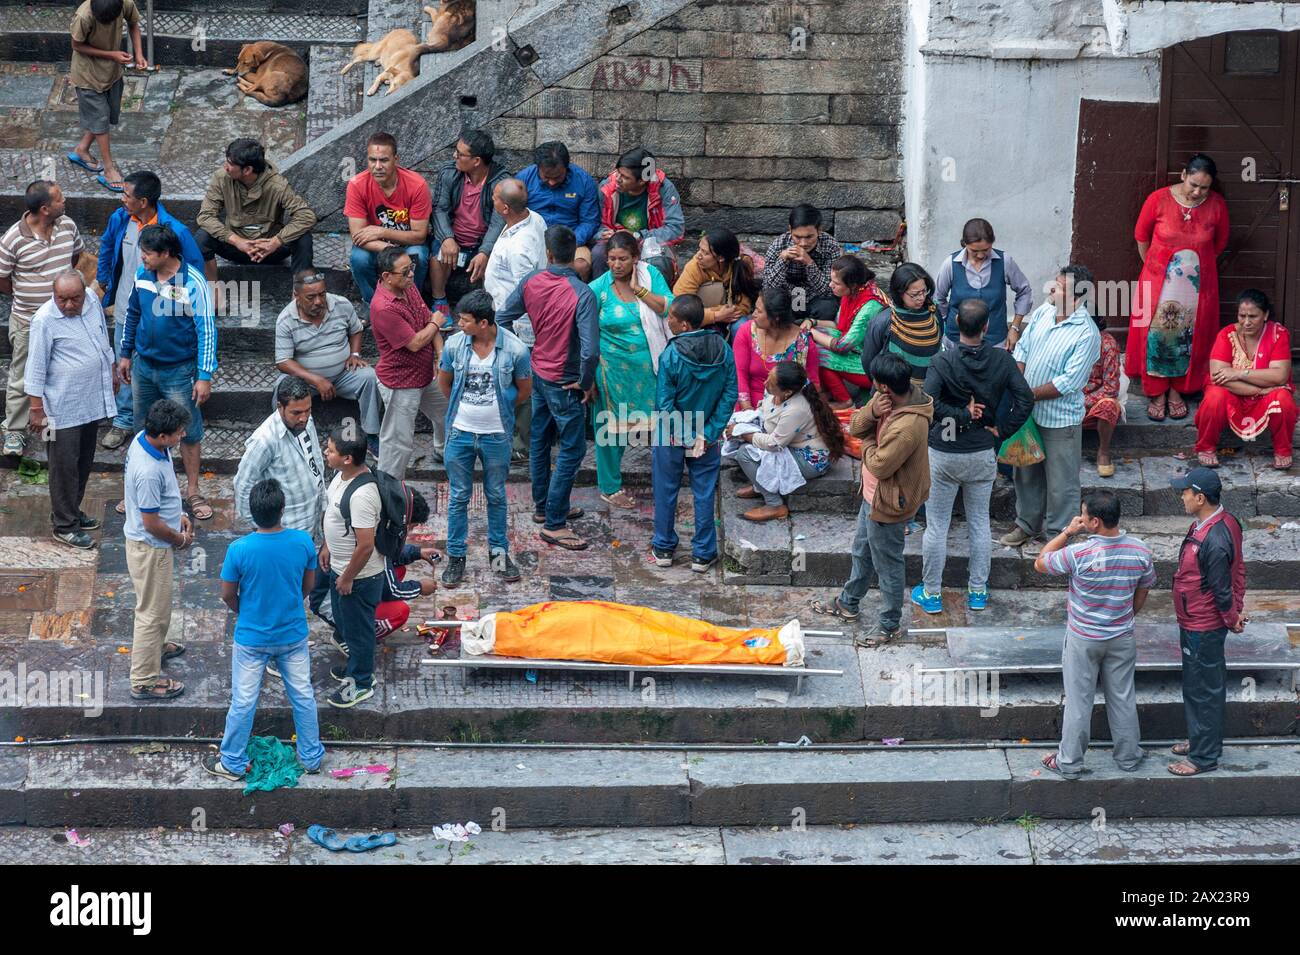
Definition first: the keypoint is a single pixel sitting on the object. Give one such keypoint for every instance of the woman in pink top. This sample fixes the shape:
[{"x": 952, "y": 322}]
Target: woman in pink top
[{"x": 771, "y": 335}]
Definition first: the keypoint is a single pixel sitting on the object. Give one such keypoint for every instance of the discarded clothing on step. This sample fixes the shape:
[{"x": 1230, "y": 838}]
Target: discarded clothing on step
[
  {"x": 271, "y": 765},
  {"x": 331, "y": 840},
  {"x": 604, "y": 632}
]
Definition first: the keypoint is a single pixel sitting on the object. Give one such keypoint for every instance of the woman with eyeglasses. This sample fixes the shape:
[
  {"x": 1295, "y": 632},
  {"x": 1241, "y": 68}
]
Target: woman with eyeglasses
[{"x": 911, "y": 328}]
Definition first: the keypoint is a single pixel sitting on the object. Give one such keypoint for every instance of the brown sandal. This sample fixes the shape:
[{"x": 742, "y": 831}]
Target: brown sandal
[
  {"x": 1181, "y": 749},
  {"x": 573, "y": 515},
  {"x": 1177, "y": 411},
  {"x": 158, "y": 690},
  {"x": 176, "y": 649},
  {"x": 564, "y": 537},
  {"x": 1154, "y": 412},
  {"x": 196, "y": 501},
  {"x": 1283, "y": 463},
  {"x": 1207, "y": 459}
]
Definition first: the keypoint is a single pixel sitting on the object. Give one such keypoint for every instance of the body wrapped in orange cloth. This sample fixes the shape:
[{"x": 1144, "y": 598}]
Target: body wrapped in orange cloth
[{"x": 604, "y": 632}]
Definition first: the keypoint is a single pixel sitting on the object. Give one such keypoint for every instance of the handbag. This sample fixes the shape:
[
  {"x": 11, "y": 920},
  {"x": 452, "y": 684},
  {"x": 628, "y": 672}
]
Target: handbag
[{"x": 1024, "y": 448}]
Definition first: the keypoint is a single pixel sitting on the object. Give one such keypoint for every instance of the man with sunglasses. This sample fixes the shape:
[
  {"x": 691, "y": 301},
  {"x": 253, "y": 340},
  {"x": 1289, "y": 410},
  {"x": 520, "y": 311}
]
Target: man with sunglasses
[{"x": 409, "y": 345}]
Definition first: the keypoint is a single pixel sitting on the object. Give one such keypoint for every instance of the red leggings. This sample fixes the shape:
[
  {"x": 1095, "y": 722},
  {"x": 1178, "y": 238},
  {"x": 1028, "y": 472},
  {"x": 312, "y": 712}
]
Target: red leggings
[
  {"x": 391, "y": 615},
  {"x": 1212, "y": 418},
  {"x": 834, "y": 382}
]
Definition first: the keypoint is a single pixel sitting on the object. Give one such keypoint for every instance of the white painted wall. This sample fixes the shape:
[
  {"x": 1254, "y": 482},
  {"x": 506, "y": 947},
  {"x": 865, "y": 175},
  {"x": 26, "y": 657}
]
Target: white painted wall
[{"x": 1006, "y": 131}]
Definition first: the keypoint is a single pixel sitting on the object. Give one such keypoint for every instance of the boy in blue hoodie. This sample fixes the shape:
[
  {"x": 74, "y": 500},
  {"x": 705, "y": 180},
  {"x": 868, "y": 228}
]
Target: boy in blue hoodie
[{"x": 695, "y": 396}]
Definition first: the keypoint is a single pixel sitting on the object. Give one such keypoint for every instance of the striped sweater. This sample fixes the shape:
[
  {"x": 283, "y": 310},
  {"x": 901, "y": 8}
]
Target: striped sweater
[{"x": 1104, "y": 573}]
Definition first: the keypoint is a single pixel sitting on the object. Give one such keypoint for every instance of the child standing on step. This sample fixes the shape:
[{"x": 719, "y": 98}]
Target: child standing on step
[
  {"x": 695, "y": 393},
  {"x": 96, "y": 74}
]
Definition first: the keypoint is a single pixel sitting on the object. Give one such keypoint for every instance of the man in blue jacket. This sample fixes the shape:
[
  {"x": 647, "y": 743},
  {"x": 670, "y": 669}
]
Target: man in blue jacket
[
  {"x": 695, "y": 394},
  {"x": 564, "y": 195},
  {"x": 119, "y": 259},
  {"x": 169, "y": 345}
]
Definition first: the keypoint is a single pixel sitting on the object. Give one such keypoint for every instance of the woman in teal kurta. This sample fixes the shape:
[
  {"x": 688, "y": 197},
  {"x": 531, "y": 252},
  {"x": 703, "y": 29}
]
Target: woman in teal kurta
[{"x": 634, "y": 300}]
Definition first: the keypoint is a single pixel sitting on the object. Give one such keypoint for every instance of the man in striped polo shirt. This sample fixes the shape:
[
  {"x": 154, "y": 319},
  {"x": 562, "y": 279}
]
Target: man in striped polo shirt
[
  {"x": 34, "y": 250},
  {"x": 1110, "y": 575}
]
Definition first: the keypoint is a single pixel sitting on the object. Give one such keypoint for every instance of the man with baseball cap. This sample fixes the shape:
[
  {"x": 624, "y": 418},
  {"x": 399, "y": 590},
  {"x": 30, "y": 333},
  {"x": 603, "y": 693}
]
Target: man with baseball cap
[{"x": 1209, "y": 593}]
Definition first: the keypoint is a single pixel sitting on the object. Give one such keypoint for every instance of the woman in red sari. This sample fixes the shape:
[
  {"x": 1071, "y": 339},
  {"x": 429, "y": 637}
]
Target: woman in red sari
[
  {"x": 1175, "y": 315},
  {"x": 1251, "y": 391}
]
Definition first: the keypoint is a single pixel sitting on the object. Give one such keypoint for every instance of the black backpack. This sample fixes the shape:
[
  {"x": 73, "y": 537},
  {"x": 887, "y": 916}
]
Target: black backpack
[{"x": 395, "y": 504}]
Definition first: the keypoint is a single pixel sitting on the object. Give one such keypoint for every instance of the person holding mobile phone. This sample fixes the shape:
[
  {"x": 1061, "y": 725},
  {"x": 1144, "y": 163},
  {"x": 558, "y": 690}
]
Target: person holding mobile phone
[{"x": 465, "y": 223}]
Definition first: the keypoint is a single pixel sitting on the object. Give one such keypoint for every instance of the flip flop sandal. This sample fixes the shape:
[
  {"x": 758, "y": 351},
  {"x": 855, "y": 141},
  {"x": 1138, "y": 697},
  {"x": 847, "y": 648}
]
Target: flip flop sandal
[
  {"x": 619, "y": 499},
  {"x": 196, "y": 501},
  {"x": 177, "y": 650},
  {"x": 1181, "y": 749},
  {"x": 573, "y": 515},
  {"x": 110, "y": 186},
  {"x": 1282, "y": 464},
  {"x": 121, "y": 507},
  {"x": 1049, "y": 763},
  {"x": 1207, "y": 460},
  {"x": 326, "y": 838},
  {"x": 1189, "y": 768},
  {"x": 78, "y": 161},
  {"x": 1173, "y": 408},
  {"x": 376, "y": 840},
  {"x": 564, "y": 538},
  {"x": 1154, "y": 414}
]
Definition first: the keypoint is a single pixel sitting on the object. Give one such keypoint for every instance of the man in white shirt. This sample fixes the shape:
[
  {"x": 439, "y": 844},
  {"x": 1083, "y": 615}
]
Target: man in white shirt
[{"x": 520, "y": 249}]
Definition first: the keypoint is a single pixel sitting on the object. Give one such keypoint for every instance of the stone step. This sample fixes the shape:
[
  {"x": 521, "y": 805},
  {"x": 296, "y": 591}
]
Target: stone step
[
  {"x": 814, "y": 550},
  {"x": 107, "y": 785},
  {"x": 331, "y": 99},
  {"x": 882, "y": 694},
  {"x": 339, "y": 8},
  {"x": 1260, "y": 839},
  {"x": 195, "y": 37}
]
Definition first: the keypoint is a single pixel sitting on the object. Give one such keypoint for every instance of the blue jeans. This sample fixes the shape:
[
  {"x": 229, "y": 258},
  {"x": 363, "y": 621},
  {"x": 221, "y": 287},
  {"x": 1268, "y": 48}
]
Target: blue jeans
[
  {"x": 365, "y": 271},
  {"x": 559, "y": 417},
  {"x": 125, "y": 417},
  {"x": 247, "y": 664},
  {"x": 354, "y": 617},
  {"x": 170, "y": 381},
  {"x": 459, "y": 454},
  {"x": 666, "y": 472}
]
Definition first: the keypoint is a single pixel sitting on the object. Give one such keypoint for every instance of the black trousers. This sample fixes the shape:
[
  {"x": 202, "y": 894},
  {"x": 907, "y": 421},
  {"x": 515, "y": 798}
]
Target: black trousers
[
  {"x": 71, "y": 456},
  {"x": 1205, "y": 692},
  {"x": 299, "y": 251}
]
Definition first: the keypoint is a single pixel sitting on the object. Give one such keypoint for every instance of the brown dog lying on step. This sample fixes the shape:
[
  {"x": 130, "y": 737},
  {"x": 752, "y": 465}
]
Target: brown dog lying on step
[
  {"x": 399, "y": 51},
  {"x": 271, "y": 73}
]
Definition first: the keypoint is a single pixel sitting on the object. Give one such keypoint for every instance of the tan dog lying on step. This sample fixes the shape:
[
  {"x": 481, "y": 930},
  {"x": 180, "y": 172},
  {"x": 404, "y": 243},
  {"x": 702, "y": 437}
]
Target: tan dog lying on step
[
  {"x": 271, "y": 73},
  {"x": 399, "y": 51}
]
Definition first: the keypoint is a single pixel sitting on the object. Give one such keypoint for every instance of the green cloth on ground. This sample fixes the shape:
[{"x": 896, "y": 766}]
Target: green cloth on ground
[{"x": 271, "y": 765}]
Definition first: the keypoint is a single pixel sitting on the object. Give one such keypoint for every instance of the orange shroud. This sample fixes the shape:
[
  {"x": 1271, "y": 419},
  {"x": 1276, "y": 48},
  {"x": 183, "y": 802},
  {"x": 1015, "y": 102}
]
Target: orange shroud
[{"x": 606, "y": 632}]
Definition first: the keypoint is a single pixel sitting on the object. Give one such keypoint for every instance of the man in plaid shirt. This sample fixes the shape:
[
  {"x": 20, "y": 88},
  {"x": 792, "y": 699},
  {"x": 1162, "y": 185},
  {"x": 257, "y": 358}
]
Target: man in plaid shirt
[{"x": 800, "y": 261}]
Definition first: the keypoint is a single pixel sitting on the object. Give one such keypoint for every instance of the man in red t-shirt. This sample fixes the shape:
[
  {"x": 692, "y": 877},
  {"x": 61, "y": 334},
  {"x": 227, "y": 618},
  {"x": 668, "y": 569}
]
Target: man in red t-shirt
[
  {"x": 387, "y": 206},
  {"x": 409, "y": 348}
]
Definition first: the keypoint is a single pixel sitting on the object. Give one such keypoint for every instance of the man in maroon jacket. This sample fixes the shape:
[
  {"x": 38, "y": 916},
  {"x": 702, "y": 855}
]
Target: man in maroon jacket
[{"x": 1209, "y": 593}]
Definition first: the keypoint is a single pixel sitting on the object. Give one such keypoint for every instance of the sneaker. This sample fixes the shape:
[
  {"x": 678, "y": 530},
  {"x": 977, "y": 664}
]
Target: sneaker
[
  {"x": 977, "y": 599},
  {"x": 349, "y": 694},
  {"x": 274, "y": 670},
  {"x": 339, "y": 673},
  {"x": 314, "y": 771},
  {"x": 212, "y": 763},
  {"x": 454, "y": 572},
  {"x": 337, "y": 642},
  {"x": 88, "y": 523},
  {"x": 1015, "y": 537},
  {"x": 15, "y": 442},
  {"x": 114, "y": 438},
  {"x": 930, "y": 603},
  {"x": 662, "y": 558},
  {"x": 701, "y": 565},
  {"x": 505, "y": 568},
  {"x": 79, "y": 539}
]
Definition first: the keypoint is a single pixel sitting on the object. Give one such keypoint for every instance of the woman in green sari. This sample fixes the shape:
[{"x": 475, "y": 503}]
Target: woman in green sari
[{"x": 634, "y": 299}]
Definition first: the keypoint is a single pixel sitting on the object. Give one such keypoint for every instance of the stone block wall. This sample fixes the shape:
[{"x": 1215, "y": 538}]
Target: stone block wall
[{"x": 749, "y": 107}]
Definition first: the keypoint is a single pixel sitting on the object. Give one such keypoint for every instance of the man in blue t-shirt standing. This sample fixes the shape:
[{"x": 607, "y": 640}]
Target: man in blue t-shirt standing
[{"x": 264, "y": 579}]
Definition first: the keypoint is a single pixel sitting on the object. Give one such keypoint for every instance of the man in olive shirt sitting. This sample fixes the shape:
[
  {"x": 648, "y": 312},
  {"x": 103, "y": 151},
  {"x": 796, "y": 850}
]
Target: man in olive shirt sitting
[{"x": 318, "y": 339}]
